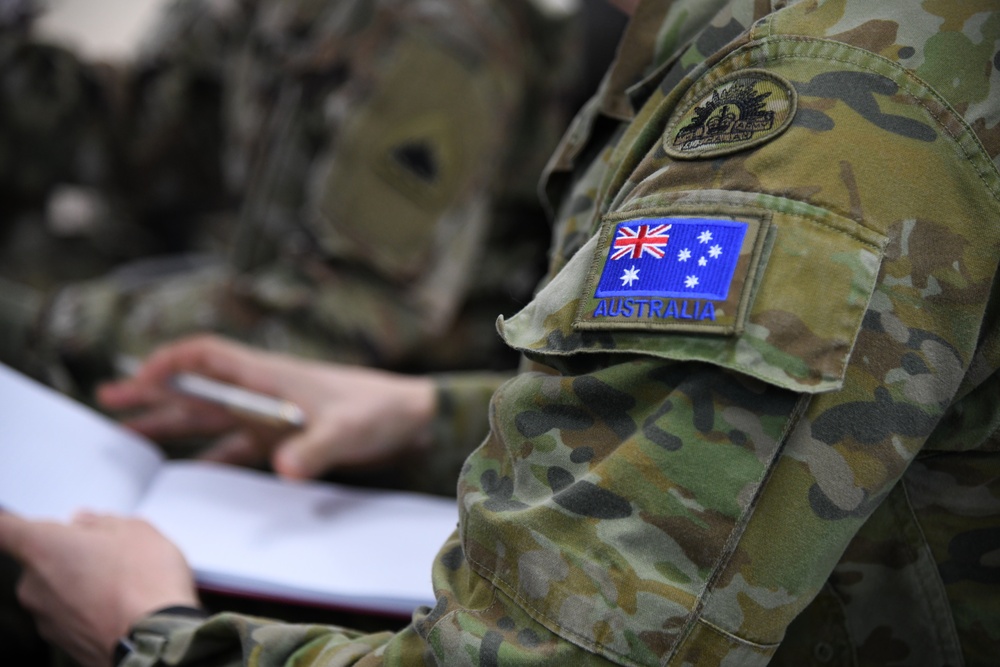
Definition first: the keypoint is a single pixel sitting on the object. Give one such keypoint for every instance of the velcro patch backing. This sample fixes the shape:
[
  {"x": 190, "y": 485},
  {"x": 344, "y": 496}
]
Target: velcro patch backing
[{"x": 673, "y": 273}]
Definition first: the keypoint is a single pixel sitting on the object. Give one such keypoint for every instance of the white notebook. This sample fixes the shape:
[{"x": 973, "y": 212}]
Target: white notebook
[{"x": 242, "y": 531}]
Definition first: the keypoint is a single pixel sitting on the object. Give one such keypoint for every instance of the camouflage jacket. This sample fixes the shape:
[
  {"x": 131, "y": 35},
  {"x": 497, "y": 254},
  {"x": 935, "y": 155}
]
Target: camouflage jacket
[
  {"x": 759, "y": 426},
  {"x": 363, "y": 164}
]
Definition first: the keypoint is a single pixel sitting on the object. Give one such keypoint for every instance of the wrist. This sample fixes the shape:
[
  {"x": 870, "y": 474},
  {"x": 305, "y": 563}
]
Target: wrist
[{"x": 421, "y": 410}]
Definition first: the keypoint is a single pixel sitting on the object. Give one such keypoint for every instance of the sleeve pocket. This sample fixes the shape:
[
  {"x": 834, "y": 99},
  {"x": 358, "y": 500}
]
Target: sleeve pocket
[{"x": 794, "y": 306}]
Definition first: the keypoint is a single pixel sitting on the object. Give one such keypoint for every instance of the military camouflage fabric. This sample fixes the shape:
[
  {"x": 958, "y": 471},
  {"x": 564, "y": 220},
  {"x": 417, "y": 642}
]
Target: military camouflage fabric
[
  {"x": 380, "y": 153},
  {"x": 806, "y": 449},
  {"x": 56, "y": 123}
]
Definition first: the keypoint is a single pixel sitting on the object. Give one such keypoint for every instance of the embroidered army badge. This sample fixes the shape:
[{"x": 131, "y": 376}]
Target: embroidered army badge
[
  {"x": 742, "y": 110},
  {"x": 682, "y": 273}
]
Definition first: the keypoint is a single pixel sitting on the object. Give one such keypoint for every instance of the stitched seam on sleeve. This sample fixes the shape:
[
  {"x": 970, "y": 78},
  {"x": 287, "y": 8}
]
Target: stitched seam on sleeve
[{"x": 738, "y": 530}]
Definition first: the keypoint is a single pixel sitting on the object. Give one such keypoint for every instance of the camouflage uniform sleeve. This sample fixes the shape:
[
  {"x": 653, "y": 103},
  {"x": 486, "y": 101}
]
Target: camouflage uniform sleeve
[
  {"x": 459, "y": 426},
  {"x": 166, "y": 639},
  {"x": 810, "y": 435},
  {"x": 707, "y": 462}
]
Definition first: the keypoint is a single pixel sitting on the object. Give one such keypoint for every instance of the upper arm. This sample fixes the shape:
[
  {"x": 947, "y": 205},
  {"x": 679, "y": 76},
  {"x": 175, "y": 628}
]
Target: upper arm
[{"x": 696, "y": 472}]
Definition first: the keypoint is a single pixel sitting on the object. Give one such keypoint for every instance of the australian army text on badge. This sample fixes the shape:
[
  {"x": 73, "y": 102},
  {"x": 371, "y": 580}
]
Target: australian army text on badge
[{"x": 672, "y": 272}]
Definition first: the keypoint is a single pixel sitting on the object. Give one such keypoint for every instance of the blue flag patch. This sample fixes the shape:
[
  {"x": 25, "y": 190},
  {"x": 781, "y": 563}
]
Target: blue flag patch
[
  {"x": 673, "y": 273},
  {"x": 685, "y": 258}
]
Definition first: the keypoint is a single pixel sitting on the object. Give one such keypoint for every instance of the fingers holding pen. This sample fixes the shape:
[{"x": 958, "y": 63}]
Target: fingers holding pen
[
  {"x": 209, "y": 355},
  {"x": 341, "y": 408},
  {"x": 181, "y": 418},
  {"x": 216, "y": 371}
]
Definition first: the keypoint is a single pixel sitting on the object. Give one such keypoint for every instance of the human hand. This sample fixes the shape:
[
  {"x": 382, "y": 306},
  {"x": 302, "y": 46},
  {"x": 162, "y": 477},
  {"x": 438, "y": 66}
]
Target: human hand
[
  {"x": 88, "y": 582},
  {"x": 354, "y": 416}
]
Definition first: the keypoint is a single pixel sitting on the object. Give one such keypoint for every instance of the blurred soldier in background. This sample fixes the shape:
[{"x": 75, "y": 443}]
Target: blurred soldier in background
[
  {"x": 351, "y": 173},
  {"x": 350, "y": 180}
]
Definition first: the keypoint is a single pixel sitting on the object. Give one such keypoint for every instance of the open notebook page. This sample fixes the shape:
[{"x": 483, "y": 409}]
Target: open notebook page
[
  {"x": 57, "y": 456},
  {"x": 308, "y": 541},
  {"x": 241, "y": 530}
]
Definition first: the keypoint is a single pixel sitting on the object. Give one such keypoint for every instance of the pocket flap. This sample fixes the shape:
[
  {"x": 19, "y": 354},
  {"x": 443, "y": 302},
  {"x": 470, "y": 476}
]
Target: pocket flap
[{"x": 770, "y": 288}]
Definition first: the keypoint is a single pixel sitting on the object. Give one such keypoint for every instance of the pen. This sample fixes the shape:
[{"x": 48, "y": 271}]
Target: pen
[{"x": 253, "y": 404}]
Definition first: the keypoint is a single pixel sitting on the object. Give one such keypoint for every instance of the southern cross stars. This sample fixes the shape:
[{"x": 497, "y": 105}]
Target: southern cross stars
[
  {"x": 693, "y": 258},
  {"x": 630, "y": 276}
]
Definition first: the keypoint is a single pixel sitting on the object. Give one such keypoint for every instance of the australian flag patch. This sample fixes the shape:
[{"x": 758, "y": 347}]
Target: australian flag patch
[
  {"x": 687, "y": 272},
  {"x": 686, "y": 258}
]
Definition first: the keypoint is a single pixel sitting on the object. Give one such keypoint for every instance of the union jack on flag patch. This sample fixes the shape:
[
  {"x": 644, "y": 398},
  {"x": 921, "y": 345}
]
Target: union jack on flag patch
[{"x": 635, "y": 241}]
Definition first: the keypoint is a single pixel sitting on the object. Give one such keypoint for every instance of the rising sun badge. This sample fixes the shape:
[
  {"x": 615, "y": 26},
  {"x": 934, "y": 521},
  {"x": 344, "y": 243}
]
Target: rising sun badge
[{"x": 742, "y": 110}]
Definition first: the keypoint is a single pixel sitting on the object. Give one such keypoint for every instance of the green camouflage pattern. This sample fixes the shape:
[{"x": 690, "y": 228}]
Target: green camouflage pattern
[
  {"x": 361, "y": 174},
  {"x": 460, "y": 425},
  {"x": 819, "y": 486}
]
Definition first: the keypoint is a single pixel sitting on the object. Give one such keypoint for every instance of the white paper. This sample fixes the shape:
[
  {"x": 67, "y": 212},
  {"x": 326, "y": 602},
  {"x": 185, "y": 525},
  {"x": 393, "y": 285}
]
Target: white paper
[
  {"x": 57, "y": 456},
  {"x": 241, "y": 530},
  {"x": 307, "y": 541}
]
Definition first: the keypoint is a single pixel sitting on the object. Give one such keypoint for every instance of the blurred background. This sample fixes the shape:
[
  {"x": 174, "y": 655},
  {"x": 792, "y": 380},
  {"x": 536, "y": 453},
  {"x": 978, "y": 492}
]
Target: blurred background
[{"x": 104, "y": 29}]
